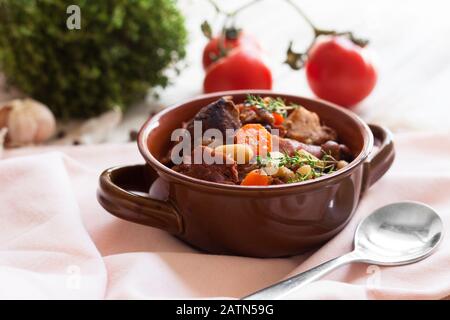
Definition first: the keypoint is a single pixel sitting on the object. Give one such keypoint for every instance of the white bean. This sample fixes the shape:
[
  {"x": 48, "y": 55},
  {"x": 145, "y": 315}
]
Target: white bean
[
  {"x": 284, "y": 172},
  {"x": 341, "y": 164},
  {"x": 241, "y": 153}
]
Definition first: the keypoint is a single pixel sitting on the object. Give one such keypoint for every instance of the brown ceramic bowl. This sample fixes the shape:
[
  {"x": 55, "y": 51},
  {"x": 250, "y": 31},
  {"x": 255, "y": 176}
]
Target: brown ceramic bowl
[{"x": 272, "y": 221}]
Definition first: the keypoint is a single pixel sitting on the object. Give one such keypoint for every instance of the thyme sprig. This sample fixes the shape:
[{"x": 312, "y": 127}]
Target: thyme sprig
[
  {"x": 319, "y": 167},
  {"x": 277, "y": 105},
  {"x": 301, "y": 158}
]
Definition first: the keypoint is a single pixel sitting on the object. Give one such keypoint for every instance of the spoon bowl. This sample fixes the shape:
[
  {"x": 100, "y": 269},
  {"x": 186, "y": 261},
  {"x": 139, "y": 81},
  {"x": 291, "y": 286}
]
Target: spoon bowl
[{"x": 399, "y": 233}]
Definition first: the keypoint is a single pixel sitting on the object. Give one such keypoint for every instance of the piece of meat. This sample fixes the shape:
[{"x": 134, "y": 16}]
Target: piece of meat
[
  {"x": 249, "y": 114},
  {"x": 289, "y": 146},
  {"x": 337, "y": 151},
  {"x": 345, "y": 153},
  {"x": 278, "y": 130},
  {"x": 304, "y": 126},
  {"x": 277, "y": 180},
  {"x": 255, "y": 115},
  {"x": 225, "y": 172},
  {"x": 222, "y": 173},
  {"x": 221, "y": 114},
  {"x": 331, "y": 148}
]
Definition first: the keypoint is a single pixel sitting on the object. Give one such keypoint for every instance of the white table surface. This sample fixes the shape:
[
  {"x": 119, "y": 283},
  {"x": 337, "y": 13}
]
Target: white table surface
[{"x": 410, "y": 40}]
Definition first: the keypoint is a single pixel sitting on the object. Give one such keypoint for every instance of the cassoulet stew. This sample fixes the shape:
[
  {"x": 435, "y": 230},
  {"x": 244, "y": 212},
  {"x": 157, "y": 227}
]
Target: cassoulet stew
[{"x": 259, "y": 142}]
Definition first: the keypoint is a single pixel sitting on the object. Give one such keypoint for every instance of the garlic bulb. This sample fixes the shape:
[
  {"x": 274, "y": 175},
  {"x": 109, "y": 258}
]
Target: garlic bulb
[{"x": 28, "y": 122}]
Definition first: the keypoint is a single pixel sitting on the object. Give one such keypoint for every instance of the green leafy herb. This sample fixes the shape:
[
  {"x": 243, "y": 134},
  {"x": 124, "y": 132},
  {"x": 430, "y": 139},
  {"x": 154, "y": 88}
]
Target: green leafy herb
[
  {"x": 259, "y": 161},
  {"x": 277, "y": 105},
  {"x": 120, "y": 52},
  {"x": 319, "y": 167}
]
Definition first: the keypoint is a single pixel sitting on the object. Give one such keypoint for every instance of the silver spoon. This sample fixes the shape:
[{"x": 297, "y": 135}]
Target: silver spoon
[{"x": 396, "y": 234}]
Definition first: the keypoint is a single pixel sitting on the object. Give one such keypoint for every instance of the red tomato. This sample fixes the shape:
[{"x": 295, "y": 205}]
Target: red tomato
[
  {"x": 340, "y": 71},
  {"x": 212, "y": 48},
  {"x": 241, "y": 69}
]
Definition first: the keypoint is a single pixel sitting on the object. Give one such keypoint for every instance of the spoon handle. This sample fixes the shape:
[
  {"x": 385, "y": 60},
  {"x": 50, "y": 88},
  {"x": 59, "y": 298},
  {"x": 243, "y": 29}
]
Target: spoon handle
[{"x": 283, "y": 288}]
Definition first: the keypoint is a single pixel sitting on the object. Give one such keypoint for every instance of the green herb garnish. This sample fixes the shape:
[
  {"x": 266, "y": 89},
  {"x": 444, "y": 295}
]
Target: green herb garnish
[
  {"x": 276, "y": 105},
  {"x": 319, "y": 167}
]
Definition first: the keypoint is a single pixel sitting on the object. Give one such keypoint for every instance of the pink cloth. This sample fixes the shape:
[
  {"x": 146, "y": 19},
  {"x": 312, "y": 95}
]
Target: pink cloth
[{"x": 57, "y": 242}]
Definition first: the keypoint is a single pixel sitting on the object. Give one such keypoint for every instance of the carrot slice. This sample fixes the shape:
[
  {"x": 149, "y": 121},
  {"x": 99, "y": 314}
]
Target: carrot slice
[
  {"x": 255, "y": 178},
  {"x": 279, "y": 119},
  {"x": 256, "y": 137}
]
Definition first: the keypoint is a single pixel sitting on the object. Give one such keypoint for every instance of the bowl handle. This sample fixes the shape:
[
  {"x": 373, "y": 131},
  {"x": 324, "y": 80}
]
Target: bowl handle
[
  {"x": 380, "y": 159},
  {"x": 117, "y": 194}
]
